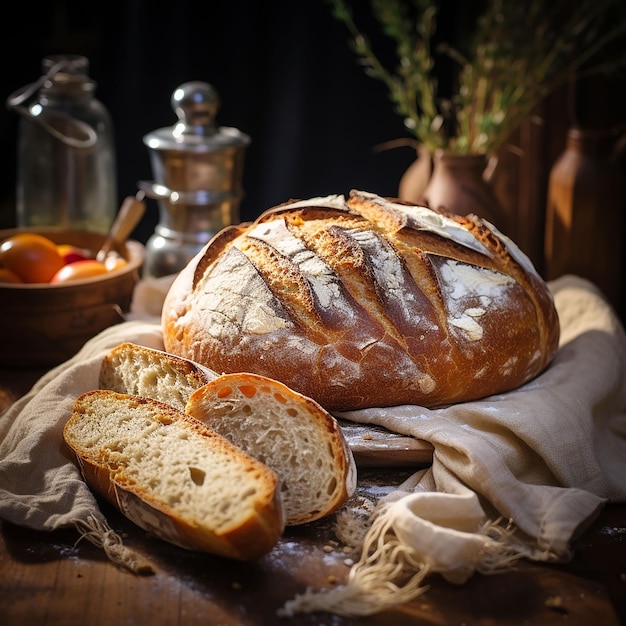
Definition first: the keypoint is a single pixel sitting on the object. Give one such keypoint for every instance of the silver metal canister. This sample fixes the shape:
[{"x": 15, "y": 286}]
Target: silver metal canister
[{"x": 198, "y": 171}]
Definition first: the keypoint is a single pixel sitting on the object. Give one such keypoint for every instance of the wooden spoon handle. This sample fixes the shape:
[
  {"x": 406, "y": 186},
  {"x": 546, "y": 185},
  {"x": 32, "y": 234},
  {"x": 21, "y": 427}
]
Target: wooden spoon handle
[{"x": 128, "y": 217}]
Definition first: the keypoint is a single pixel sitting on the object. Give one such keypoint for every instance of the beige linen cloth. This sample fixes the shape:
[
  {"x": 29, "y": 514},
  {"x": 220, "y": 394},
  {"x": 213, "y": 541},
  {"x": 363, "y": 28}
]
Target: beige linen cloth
[{"x": 514, "y": 475}]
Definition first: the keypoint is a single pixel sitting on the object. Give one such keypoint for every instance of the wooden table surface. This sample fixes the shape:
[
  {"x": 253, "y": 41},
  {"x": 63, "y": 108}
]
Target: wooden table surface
[{"x": 49, "y": 579}]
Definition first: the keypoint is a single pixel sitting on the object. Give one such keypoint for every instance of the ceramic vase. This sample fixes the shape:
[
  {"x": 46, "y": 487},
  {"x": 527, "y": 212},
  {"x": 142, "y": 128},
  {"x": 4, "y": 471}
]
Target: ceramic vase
[{"x": 459, "y": 183}]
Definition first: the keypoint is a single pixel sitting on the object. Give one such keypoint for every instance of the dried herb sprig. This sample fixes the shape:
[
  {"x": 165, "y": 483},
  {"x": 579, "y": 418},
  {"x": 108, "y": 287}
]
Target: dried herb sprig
[{"x": 517, "y": 54}]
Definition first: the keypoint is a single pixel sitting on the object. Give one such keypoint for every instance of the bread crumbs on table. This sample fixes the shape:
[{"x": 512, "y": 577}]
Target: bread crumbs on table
[{"x": 555, "y": 603}]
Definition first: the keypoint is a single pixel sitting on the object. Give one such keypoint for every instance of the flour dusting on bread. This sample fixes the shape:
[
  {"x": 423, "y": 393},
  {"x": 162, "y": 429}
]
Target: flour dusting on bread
[
  {"x": 364, "y": 301},
  {"x": 239, "y": 301},
  {"x": 423, "y": 218},
  {"x": 323, "y": 281},
  {"x": 468, "y": 293}
]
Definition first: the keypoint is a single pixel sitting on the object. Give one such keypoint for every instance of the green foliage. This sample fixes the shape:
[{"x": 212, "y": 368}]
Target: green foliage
[{"x": 518, "y": 53}]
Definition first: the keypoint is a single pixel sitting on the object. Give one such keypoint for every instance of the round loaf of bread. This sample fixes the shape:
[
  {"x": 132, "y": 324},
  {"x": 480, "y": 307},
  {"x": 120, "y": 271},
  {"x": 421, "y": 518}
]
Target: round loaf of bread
[{"x": 365, "y": 302}]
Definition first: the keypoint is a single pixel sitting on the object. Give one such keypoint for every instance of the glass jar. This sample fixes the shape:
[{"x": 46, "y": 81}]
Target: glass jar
[{"x": 66, "y": 173}]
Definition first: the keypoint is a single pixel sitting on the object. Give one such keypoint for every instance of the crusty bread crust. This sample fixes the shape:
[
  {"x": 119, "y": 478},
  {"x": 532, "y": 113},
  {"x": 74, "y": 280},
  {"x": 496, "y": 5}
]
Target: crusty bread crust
[
  {"x": 283, "y": 429},
  {"x": 363, "y": 303},
  {"x": 290, "y": 433},
  {"x": 174, "y": 477}
]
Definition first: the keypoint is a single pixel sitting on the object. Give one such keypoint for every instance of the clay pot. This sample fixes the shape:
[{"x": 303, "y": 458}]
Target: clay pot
[
  {"x": 459, "y": 184},
  {"x": 416, "y": 178}
]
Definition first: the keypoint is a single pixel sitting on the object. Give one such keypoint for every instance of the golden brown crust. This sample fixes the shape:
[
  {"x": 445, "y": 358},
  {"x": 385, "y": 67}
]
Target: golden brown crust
[
  {"x": 368, "y": 302},
  {"x": 105, "y": 470},
  {"x": 242, "y": 405}
]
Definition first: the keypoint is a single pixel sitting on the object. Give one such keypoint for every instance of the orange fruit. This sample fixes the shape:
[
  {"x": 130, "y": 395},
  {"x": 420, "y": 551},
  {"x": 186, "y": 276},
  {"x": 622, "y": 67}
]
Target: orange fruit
[
  {"x": 34, "y": 258},
  {"x": 7, "y": 276},
  {"x": 79, "y": 270}
]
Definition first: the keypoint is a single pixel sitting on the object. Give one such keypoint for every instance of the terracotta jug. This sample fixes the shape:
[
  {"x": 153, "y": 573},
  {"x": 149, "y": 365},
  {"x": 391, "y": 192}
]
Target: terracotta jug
[
  {"x": 459, "y": 183},
  {"x": 416, "y": 178},
  {"x": 585, "y": 211}
]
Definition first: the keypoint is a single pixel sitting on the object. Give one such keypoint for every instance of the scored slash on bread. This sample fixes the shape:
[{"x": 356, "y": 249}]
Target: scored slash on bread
[
  {"x": 175, "y": 477},
  {"x": 288, "y": 432},
  {"x": 365, "y": 302}
]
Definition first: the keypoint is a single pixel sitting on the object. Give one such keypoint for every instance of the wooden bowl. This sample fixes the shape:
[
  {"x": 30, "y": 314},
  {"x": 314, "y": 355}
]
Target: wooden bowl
[{"x": 44, "y": 325}]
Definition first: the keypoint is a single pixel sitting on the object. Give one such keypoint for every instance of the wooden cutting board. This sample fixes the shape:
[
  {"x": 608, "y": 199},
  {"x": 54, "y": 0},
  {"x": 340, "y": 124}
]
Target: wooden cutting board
[{"x": 374, "y": 446}]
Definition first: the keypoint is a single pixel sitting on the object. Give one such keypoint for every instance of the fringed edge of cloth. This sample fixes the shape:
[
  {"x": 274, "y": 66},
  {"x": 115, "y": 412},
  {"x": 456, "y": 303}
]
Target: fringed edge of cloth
[
  {"x": 100, "y": 534},
  {"x": 371, "y": 585},
  {"x": 390, "y": 572}
]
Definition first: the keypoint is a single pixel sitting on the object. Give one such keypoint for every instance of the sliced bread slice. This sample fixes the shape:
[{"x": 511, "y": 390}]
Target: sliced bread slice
[
  {"x": 140, "y": 371},
  {"x": 288, "y": 432},
  {"x": 175, "y": 477}
]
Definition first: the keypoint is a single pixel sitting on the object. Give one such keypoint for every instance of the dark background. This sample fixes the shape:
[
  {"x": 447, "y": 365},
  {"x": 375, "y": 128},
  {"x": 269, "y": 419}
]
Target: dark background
[
  {"x": 283, "y": 69},
  {"x": 286, "y": 76}
]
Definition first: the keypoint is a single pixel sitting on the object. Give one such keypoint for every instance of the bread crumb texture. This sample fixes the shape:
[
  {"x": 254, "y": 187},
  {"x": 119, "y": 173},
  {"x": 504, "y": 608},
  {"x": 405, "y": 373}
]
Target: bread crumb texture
[
  {"x": 135, "y": 370},
  {"x": 293, "y": 436},
  {"x": 179, "y": 465}
]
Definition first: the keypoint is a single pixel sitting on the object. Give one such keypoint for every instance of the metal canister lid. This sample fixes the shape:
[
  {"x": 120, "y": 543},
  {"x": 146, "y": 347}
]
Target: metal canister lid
[{"x": 196, "y": 104}]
